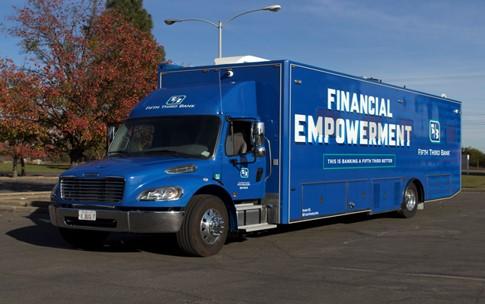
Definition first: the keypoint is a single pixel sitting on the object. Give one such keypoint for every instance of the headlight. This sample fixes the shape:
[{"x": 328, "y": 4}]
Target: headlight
[{"x": 161, "y": 194}]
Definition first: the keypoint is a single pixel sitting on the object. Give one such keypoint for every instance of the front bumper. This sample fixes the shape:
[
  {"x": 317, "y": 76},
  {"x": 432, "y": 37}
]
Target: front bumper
[{"x": 118, "y": 220}]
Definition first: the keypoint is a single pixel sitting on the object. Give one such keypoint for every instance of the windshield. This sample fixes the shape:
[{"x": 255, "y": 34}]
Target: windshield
[{"x": 191, "y": 136}]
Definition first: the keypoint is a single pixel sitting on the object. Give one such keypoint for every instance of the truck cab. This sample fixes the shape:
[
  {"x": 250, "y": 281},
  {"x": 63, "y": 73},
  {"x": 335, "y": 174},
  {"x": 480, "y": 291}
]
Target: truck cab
[{"x": 190, "y": 159}]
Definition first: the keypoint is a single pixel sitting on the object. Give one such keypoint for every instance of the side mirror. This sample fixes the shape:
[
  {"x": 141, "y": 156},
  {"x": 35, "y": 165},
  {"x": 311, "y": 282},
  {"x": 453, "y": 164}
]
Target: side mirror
[{"x": 257, "y": 138}]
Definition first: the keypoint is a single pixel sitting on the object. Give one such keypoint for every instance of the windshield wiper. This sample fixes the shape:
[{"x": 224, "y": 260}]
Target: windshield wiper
[{"x": 120, "y": 152}]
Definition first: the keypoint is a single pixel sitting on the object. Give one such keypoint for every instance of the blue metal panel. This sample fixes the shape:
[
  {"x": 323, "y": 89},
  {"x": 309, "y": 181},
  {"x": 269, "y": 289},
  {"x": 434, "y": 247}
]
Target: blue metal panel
[
  {"x": 188, "y": 77},
  {"x": 285, "y": 167},
  {"x": 239, "y": 99},
  {"x": 351, "y": 172},
  {"x": 386, "y": 193},
  {"x": 359, "y": 195},
  {"x": 195, "y": 100},
  {"x": 315, "y": 201},
  {"x": 234, "y": 99}
]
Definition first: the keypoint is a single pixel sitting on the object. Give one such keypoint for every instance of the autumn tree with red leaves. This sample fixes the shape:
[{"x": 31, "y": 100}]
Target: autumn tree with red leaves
[
  {"x": 20, "y": 129},
  {"x": 93, "y": 65}
]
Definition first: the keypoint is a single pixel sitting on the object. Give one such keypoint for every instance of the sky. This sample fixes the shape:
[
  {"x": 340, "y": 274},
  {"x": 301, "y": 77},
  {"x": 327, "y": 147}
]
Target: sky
[{"x": 435, "y": 46}]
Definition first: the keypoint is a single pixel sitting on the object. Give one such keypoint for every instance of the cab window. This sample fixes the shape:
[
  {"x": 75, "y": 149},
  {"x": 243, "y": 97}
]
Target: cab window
[{"x": 238, "y": 140}]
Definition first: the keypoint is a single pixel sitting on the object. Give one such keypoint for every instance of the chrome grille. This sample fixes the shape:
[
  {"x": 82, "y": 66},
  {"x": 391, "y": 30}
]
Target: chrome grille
[{"x": 106, "y": 190}]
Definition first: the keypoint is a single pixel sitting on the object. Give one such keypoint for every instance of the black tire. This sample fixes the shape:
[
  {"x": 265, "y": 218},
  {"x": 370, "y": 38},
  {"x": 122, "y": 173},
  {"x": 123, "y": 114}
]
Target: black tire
[
  {"x": 84, "y": 239},
  {"x": 197, "y": 237},
  {"x": 410, "y": 201}
]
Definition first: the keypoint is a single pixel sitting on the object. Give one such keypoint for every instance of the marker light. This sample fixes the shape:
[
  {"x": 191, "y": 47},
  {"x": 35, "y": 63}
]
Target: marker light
[{"x": 181, "y": 169}]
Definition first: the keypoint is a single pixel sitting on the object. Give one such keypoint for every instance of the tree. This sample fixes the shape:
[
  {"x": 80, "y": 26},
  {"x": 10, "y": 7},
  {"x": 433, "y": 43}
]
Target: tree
[
  {"x": 477, "y": 157},
  {"x": 20, "y": 130},
  {"x": 93, "y": 65},
  {"x": 133, "y": 11}
]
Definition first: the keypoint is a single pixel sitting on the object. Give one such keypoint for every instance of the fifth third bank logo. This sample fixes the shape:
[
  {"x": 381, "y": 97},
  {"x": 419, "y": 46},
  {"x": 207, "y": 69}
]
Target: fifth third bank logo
[
  {"x": 175, "y": 100},
  {"x": 244, "y": 173},
  {"x": 434, "y": 131}
]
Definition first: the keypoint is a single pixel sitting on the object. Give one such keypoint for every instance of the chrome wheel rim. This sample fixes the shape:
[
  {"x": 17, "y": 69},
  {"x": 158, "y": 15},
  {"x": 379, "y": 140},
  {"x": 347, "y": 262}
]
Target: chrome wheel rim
[
  {"x": 411, "y": 200},
  {"x": 211, "y": 226}
]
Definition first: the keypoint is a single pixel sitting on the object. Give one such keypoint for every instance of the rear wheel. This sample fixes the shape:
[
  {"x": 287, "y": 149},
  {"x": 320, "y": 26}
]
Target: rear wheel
[
  {"x": 410, "y": 201},
  {"x": 205, "y": 227},
  {"x": 84, "y": 239}
]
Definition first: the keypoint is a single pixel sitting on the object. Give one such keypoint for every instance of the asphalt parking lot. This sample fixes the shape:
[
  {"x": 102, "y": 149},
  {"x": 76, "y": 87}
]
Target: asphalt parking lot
[{"x": 436, "y": 257}]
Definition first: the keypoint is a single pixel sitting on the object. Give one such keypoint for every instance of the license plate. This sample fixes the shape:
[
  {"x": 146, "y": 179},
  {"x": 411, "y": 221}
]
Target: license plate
[{"x": 86, "y": 215}]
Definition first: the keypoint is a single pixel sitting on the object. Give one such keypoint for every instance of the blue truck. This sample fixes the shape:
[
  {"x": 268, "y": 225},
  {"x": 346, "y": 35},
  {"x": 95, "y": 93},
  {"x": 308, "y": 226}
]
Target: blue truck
[{"x": 245, "y": 147}]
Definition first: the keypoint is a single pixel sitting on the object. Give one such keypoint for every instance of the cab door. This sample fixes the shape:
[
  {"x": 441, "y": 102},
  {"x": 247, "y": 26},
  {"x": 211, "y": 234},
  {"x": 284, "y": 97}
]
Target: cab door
[{"x": 243, "y": 167}]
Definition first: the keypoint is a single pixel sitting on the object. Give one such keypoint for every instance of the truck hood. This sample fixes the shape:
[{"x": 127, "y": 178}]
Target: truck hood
[
  {"x": 139, "y": 168},
  {"x": 144, "y": 173}
]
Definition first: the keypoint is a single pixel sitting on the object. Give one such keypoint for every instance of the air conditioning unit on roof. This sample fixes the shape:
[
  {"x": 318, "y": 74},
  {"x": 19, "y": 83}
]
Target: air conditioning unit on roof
[{"x": 238, "y": 59}]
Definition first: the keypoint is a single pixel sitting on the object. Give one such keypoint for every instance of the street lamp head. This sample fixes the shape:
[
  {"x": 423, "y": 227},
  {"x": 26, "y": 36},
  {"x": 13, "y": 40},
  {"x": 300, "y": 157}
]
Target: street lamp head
[
  {"x": 170, "y": 21},
  {"x": 272, "y": 8}
]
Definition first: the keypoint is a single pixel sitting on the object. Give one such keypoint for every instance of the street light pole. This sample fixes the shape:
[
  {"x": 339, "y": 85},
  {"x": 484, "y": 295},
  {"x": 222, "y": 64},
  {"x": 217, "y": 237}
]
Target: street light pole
[
  {"x": 219, "y": 28},
  {"x": 220, "y": 25}
]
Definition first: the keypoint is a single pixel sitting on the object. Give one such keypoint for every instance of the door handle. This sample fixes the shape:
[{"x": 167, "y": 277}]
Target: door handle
[{"x": 270, "y": 159}]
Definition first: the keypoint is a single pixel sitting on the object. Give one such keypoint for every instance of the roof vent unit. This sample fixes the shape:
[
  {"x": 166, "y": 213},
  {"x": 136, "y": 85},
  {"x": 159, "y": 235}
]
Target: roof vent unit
[{"x": 238, "y": 59}]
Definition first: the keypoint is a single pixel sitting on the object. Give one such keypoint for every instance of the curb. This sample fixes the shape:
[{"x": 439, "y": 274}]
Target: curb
[
  {"x": 34, "y": 177},
  {"x": 32, "y": 193},
  {"x": 25, "y": 201}
]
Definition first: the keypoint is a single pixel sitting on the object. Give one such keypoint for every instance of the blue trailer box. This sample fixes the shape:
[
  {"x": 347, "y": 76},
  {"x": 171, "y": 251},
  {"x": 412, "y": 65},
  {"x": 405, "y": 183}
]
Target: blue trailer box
[{"x": 246, "y": 147}]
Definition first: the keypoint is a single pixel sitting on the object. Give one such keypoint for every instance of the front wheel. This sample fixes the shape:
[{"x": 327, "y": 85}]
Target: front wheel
[
  {"x": 410, "y": 201},
  {"x": 205, "y": 226}
]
